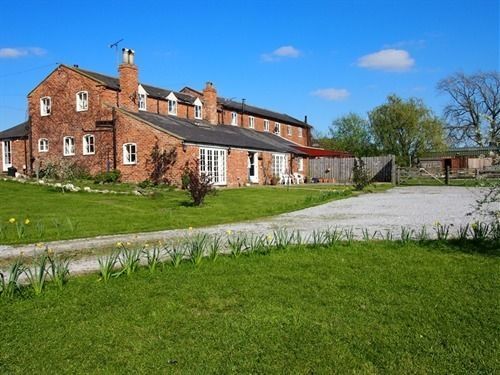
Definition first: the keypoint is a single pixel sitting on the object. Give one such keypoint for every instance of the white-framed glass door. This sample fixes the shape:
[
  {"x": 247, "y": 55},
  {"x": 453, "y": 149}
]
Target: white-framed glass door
[
  {"x": 6, "y": 155},
  {"x": 253, "y": 167}
]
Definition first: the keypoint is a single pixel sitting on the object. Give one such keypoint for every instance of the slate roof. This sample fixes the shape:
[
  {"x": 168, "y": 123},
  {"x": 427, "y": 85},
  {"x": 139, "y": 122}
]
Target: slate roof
[
  {"x": 201, "y": 132},
  {"x": 114, "y": 84},
  {"x": 461, "y": 151},
  {"x": 16, "y": 132},
  {"x": 271, "y": 115},
  {"x": 156, "y": 92}
]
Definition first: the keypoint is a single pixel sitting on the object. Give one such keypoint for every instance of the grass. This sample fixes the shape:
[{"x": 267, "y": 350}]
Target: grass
[
  {"x": 54, "y": 215},
  {"x": 373, "y": 307},
  {"x": 468, "y": 182}
]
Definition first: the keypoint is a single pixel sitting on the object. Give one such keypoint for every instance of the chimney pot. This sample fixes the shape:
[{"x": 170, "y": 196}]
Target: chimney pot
[{"x": 128, "y": 56}]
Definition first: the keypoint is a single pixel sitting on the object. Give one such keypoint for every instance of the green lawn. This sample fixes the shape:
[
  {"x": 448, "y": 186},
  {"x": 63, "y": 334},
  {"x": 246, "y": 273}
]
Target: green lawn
[
  {"x": 371, "y": 307},
  {"x": 55, "y": 215}
]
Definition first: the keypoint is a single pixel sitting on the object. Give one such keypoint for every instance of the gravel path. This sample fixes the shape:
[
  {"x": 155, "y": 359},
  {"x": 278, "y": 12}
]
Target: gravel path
[{"x": 411, "y": 207}]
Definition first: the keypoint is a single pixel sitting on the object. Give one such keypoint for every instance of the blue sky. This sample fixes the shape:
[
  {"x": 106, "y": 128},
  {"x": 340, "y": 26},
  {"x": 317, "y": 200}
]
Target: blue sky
[{"x": 317, "y": 58}]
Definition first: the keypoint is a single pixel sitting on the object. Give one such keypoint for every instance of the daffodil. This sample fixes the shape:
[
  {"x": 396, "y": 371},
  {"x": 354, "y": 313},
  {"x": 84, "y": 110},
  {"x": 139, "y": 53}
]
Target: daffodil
[
  {"x": 12, "y": 220},
  {"x": 146, "y": 245},
  {"x": 119, "y": 244},
  {"x": 39, "y": 244},
  {"x": 26, "y": 221},
  {"x": 190, "y": 228},
  {"x": 229, "y": 232}
]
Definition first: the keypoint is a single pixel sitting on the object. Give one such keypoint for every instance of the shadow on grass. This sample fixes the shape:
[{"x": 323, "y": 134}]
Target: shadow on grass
[{"x": 484, "y": 247}]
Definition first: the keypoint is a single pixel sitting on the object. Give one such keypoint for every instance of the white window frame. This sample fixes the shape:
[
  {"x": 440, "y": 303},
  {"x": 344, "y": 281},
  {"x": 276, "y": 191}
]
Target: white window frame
[
  {"x": 277, "y": 126},
  {"x": 88, "y": 144},
  {"x": 82, "y": 101},
  {"x": 172, "y": 104},
  {"x": 266, "y": 125},
  {"x": 279, "y": 164},
  {"x": 213, "y": 163},
  {"x": 142, "y": 101},
  {"x": 45, "y": 106},
  {"x": 300, "y": 164},
  {"x": 6, "y": 155},
  {"x": 251, "y": 122},
  {"x": 129, "y": 153},
  {"x": 289, "y": 130},
  {"x": 198, "y": 109},
  {"x": 68, "y": 146},
  {"x": 300, "y": 132},
  {"x": 234, "y": 118},
  {"x": 43, "y": 145}
]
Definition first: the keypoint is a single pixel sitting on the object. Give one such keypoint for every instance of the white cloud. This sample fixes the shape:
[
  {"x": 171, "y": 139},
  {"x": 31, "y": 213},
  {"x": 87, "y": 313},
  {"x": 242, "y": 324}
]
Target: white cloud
[
  {"x": 281, "y": 53},
  {"x": 397, "y": 60},
  {"x": 13, "y": 53},
  {"x": 331, "y": 94}
]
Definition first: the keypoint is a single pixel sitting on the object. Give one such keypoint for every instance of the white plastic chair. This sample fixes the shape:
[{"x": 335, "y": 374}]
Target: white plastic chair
[{"x": 299, "y": 179}]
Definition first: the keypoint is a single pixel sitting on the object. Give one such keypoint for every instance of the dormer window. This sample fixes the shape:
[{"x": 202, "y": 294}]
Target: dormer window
[
  {"x": 172, "y": 104},
  {"x": 141, "y": 98},
  {"x": 198, "y": 114},
  {"x": 251, "y": 122},
  {"x": 266, "y": 125},
  {"x": 82, "y": 101},
  {"x": 289, "y": 130},
  {"x": 45, "y": 106},
  {"x": 277, "y": 128},
  {"x": 234, "y": 118}
]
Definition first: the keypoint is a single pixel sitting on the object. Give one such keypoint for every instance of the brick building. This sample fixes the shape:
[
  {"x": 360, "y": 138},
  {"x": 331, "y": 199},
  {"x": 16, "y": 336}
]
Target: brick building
[{"x": 105, "y": 123}]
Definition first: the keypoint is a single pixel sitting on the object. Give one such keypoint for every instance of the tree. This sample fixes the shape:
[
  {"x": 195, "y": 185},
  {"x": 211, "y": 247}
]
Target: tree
[
  {"x": 406, "y": 129},
  {"x": 198, "y": 185},
  {"x": 351, "y": 133},
  {"x": 474, "y": 111}
]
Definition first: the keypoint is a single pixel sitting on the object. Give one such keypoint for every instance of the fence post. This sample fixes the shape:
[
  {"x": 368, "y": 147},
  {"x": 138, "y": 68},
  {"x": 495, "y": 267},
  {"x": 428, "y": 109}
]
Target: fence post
[{"x": 446, "y": 175}]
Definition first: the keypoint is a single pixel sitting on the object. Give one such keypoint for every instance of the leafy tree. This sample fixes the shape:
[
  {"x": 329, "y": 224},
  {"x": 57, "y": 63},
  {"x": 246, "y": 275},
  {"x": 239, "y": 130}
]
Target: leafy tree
[
  {"x": 474, "y": 111},
  {"x": 360, "y": 174},
  {"x": 351, "y": 133},
  {"x": 405, "y": 128}
]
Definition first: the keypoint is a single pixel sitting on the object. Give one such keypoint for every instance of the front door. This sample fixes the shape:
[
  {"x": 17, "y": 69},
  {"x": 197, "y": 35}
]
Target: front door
[
  {"x": 6, "y": 155},
  {"x": 253, "y": 176}
]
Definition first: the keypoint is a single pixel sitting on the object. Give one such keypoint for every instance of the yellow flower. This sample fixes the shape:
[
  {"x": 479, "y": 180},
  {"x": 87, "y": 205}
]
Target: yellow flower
[
  {"x": 229, "y": 232},
  {"x": 190, "y": 228},
  {"x": 146, "y": 245},
  {"x": 26, "y": 221},
  {"x": 119, "y": 244},
  {"x": 12, "y": 220},
  {"x": 474, "y": 225},
  {"x": 437, "y": 224},
  {"x": 129, "y": 243},
  {"x": 39, "y": 244},
  {"x": 50, "y": 251}
]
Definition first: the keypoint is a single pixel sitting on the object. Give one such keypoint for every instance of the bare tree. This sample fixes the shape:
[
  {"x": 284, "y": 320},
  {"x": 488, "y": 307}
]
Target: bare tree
[{"x": 474, "y": 112}]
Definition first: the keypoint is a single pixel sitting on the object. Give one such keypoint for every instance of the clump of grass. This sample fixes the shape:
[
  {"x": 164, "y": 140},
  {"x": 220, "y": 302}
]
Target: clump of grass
[
  {"x": 282, "y": 238},
  {"x": 3, "y": 231},
  {"x": 10, "y": 285},
  {"x": 348, "y": 236},
  {"x": 214, "y": 247},
  {"x": 153, "y": 256},
  {"x": 20, "y": 230},
  {"x": 73, "y": 226},
  {"x": 257, "y": 244},
  {"x": 37, "y": 273},
  {"x": 463, "y": 232},
  {"x": 406, "y": 234},
  {"x": 129, "y": 260},
  {"x": 237, "y": 244},
  {"x": 107, "y": 265},
  {"x": 196, "y": 248},
  {"x": 59, "y": 269},
  {"x": 480, "y": 231},
  {"x": 442, "y": 231},
  {"x": 318, "y": 238},
  {"x": 176, "y": 253},
  {"x": 40, "y": 229},
  {"x": 422, "y": 235}
]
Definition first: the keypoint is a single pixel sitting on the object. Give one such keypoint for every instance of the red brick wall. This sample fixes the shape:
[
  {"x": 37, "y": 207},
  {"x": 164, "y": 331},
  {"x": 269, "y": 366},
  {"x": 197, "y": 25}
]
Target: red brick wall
[{"x": 64, "y": 120}]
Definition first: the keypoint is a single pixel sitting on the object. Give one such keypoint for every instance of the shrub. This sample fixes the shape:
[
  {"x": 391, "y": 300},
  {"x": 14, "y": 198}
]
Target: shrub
[
  {"x": 360, "y": 174},
  {"x": 64, "y": 170},
  {"x": 199, "y": 185},
  {"x": 110, "y": 177}
]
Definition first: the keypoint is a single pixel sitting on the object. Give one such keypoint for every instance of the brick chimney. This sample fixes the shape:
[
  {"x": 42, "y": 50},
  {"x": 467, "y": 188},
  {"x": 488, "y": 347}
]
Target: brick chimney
[
  {"x": 129, "y": 81},
  {"x": 210, "y": 103}
]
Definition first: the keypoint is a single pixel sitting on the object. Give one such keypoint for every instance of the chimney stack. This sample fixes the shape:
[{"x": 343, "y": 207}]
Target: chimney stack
[
  {"x": 210, "y": 103},
  {"x": 305, "y": 119},
  {"x": 129, "y": 81}
]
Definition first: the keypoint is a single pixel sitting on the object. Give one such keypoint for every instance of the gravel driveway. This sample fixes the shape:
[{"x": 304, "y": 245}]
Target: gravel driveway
[{"x": 411, "y": 207}]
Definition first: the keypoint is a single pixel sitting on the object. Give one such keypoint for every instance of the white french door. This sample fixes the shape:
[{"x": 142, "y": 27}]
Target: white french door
[{"x": 6, "y": 155}]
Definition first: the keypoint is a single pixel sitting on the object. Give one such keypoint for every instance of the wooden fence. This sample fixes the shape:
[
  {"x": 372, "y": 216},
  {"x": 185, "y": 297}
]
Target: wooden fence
[{"x": 379, "y": 168}]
